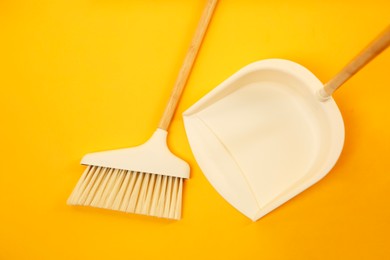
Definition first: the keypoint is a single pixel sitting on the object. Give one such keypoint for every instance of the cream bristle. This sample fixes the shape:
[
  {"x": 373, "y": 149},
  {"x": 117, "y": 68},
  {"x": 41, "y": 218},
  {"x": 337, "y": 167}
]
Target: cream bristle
[
  {"x": 146, "y": 205},
  {"x": 107, "y": 190},
  {"x": 119, "y": 197},
  {"x": 134, "y": 194},
  {"x": 129, "y": 191},
  {"x": 142, "y": 194},
  {"x": 71, "y": 199},
  {"x": 99, "y": 192},
  {"x": 161, "y": 199},
  {"x": 155, "y": 196},
  {"x": 95, "y": 187}
]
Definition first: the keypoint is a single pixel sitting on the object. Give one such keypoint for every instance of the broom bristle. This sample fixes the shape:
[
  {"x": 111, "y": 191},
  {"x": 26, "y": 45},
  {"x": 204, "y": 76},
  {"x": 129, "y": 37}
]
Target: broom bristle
[{"x": 129, "y": 191}]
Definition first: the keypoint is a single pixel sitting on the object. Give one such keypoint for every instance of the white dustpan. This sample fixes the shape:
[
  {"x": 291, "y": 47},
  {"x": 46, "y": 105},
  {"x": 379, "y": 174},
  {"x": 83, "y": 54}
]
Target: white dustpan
[
  {"x": 261, "y": 138},
  {"x": 270, "y": 131}
]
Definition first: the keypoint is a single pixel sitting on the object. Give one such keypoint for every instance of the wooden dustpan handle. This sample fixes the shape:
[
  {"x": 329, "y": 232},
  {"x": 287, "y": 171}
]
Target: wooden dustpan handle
[
  {"x": 187, "y": 65},
  {"x": 364, "y": 57}
]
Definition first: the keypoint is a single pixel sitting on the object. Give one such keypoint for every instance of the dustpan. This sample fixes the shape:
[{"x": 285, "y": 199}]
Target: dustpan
[
  {"x": 270, "y": 131},
  {"x": 260, "y": 140}
]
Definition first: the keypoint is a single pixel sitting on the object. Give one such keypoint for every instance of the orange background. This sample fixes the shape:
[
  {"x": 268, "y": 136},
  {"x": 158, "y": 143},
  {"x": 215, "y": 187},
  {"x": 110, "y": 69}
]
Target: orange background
[{"x": 79, "y": 76}]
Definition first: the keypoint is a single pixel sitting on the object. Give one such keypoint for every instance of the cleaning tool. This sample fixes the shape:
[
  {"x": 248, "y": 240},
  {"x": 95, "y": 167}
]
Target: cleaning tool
[
  {"x": 270, "y": 131},
  {"x": 147, "y": 179}
]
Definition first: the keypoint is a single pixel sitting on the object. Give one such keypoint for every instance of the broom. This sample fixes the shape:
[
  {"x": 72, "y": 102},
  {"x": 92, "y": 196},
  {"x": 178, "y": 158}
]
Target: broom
[{"x": 147, "y": 179}]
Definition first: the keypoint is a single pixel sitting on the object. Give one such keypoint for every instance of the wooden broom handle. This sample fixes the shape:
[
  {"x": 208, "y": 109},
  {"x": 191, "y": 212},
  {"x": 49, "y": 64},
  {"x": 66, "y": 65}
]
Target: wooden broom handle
[
  {"x": 364, "y": 57},
  {"x": 187, "y": 65}
]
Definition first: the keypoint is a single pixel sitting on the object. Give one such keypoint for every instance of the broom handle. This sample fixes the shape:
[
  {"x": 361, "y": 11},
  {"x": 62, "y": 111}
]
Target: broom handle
[
  {"x": 187, "y": 65},
  {"x": 370, "y": 52}
]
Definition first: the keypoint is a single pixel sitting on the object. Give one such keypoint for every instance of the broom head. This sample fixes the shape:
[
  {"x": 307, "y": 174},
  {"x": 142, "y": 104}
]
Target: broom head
[{"x": 147, "y": 179}]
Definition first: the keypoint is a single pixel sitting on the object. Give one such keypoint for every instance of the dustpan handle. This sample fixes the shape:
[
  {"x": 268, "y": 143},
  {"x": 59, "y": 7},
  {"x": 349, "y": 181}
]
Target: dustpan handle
[
  {"x": 187, "y": 65},
  {"x": 364, "y": 57}
]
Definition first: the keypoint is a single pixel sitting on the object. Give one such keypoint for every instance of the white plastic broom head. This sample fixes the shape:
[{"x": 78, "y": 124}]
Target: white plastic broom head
[
  {"x": 147, "y": 179},
  {"x": 153, "y": 156}
]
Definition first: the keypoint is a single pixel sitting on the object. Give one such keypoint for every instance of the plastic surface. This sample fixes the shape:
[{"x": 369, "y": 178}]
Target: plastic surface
[
  {"x": 263, "y": 136},
  {"x": 153, "y": 156}
]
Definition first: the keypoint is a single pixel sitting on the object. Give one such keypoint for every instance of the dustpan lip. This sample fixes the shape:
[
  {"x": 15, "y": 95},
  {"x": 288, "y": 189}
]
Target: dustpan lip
[
  {"x": 337, "y": 126},
  {"x": 279, "y": 64}
]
